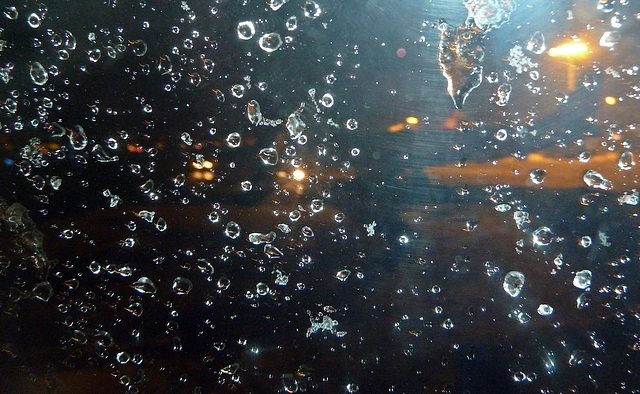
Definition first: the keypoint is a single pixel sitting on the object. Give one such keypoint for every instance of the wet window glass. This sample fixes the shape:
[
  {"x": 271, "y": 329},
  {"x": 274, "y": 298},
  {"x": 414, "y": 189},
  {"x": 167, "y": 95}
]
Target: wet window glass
[{"x": 319, "y": 196}]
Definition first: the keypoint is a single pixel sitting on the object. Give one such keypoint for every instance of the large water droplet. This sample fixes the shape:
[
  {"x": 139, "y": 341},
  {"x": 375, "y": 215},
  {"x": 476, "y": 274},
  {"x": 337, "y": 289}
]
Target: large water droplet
[
  {"x": 460, "y": 56},
  {"x": 269, "y": 156},
  {"x": 582, "y": 280},
  {"x": 246, "y": 30},
  {"x": 513, "y": 283},
  {"x": 270, "y": 42},
  {"x": 253, "y": 112},
  {"x": 295, "y": 125},
  {"x": 144, "y": 285},
  {"x": 537, "y": 176},
  {"x": 181, "y": 286},
  {"x": 260, "y": 238},
  {"x": 626, "y": 161},
  {"x": 38, "y": 73},
  {"x": 542, "y": 236},
  {"x": 536, "y": 43},
  {"x": 232, "y": 230},
  {"x": 597, "y": 181}
]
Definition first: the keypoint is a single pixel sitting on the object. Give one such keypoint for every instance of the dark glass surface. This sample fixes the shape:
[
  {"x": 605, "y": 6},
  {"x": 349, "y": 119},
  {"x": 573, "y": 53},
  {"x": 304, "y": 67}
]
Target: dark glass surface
[{"x": 373, "y": 253}]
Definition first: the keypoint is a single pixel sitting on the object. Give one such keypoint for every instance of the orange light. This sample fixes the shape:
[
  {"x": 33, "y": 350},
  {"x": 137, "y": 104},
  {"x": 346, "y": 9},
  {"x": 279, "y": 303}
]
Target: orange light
[
  {"x": 412, "y": 120},
  {"x": 207, "y": 164},
  {"x": 396, "y": 127},
  {"x": 569, "y": 50},
  {"x": 298, "y": 175},
  {"x": 208, "y": 176},
  {"x": 610, "y": 100}
]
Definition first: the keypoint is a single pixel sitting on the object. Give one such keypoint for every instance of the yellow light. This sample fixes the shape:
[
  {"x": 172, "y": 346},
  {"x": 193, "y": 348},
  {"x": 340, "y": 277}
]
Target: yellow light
[
  {"x": 569, "y": 50},
  {"x": 197, "y": 165},
  {"x": 207, "y": 164},
  {"x": 412, "y": 120},
  {"x": 298, "y": 175},
  {"x": 610, "y": 100},
  {"x": 208, "y": 176}
]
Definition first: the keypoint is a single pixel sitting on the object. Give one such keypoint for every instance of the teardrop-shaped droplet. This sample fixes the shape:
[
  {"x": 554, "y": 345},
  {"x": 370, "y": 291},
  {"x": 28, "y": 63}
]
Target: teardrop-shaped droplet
[
  {"x": 39, "y": 74},
  {"x": 144, "y": 285}
]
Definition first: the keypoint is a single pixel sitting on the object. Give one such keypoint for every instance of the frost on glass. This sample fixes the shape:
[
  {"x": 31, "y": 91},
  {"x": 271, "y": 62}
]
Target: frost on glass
[{"x": 281, "y": 196}]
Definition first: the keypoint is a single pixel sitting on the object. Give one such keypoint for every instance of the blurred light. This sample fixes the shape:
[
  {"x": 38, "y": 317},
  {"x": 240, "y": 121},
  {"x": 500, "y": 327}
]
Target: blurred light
[
  {"x": 208, "y": 176},
  {"x": 207, "y": 164},
  {"x": 412, "y": 120},
  {"x": 298, "y": 175},
  {"x": 197, "y": 165},
  {"x": 197, "y": 174},
  {"x": 569, "y": 50},
  {"x": 396, "y": 127},
  {"x": 610, "y": 100}
]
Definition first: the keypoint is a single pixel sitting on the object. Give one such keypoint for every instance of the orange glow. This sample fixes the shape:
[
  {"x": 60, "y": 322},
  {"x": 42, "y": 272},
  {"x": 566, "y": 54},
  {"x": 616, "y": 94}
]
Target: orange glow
[
  {"x": 569, "y": 50},
  {"x": 394, "y": 128},
  {"x": 610, "y": 100},
  {"x": 208, "y": 176},
  {"x": 561, "y": 173},
  {"x": 298, "y": 175},
  {"x": 207, "y": 164},
  {"x": 412, "y": 120}
]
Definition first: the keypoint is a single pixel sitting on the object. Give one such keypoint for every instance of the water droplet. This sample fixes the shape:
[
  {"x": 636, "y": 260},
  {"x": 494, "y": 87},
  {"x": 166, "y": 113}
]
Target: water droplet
[
  {"x": 597, "y": 181},
  {"x": 78, "y": 138},
  {"x": 626, "y": 161},
  {"x": 503, "y": 94},
  {"x": 545, "y": 310},
  {"x": 139, "y": 47},
  {"x": 42, "y": 291},
  {"x": 460, "y": 56},
  {"x": 311, "y": 9},
  {"x": 537, "y": 176},
  {"x": 181, "y": 286},
  {"x": 246, "y": 30},
  {"x": 214, "y": 217},
  {"x": 38, "y": 73},
  {"x": 351, "y": 124},
  {"x": 262, "y": 289},
  {"x": 582, "y": 280},
  {"x": 585, "y": 241},
  {"x": 260, "y": 238},
  {"x": 542, "y": 236},
  {"x": 327, "y": 100},
  {"x": 223, "y": 283},
  {"x": 135, "y": 308},
  {"x": 11, "y": 13},
  {"x": 536, "y": 43},
  {"x": 233, "y": 140},
  {"x": 272, "y": 252},
  {"x": 253, "y": 112},
  {"x": 123, "y": 357},
  {"x": 342, "y": 275},
  {"x": 232, "y": 230},
  {"x": 34, "y": 20},
  {"x": 161, "y": 224},
  {"x": 513, "y": 283},
  {"x": 270, "y": 42},
  {"x": 291, "y": 23},
  {"x": 316, "y": 205},
  {"x": 237, "y": 91},
  {"x": 609, "y": 39},
  {"x": 144, "y": 285},
  {"x": 269, "y": 156},
  {"x": 590, "y": 81}
]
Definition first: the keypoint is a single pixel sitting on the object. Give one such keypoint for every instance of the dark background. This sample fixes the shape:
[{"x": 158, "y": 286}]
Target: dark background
[{"x": 424, "y": 185}]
